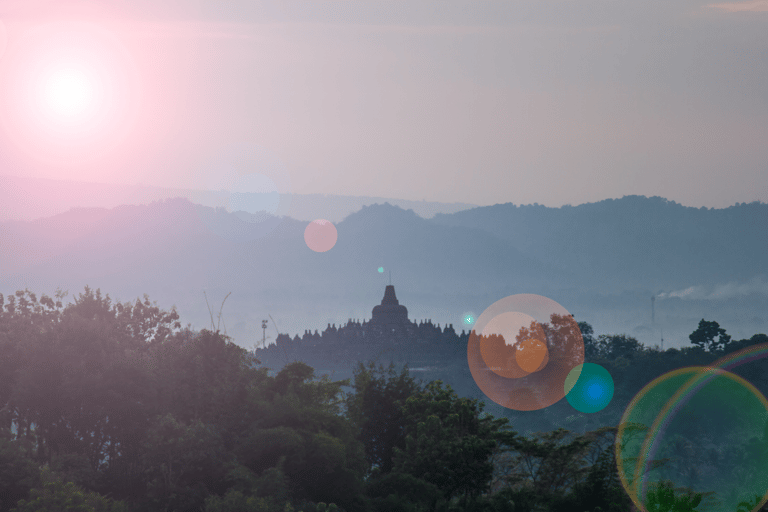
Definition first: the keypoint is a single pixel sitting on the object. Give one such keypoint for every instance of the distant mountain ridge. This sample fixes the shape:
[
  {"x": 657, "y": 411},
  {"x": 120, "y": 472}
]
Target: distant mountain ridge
[
  {"x": 32, "y": 198},
  {"x": 633, "y": 241},
  {"x": 602, "y": 261}
]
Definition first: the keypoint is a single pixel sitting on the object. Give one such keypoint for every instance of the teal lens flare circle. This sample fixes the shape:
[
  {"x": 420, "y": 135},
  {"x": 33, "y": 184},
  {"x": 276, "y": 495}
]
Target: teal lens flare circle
[
  {"x": 381, "y": 270},
  {"x": 589, "y": 388}
]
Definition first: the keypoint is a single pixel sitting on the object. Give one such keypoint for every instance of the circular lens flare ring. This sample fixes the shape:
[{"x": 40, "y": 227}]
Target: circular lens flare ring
[
  {"x": 589, "y": 388},
  {"x": 531, "y": 355},
  {"x": 320, "y": 235},
  {"x": 640, "y": 421},
  {"x": 565, "y": 350},
  {"x": 499, "y": 341}
]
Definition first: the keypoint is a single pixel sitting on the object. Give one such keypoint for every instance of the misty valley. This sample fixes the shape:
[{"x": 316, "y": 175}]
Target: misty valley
[{"x": 258, "y": 375}]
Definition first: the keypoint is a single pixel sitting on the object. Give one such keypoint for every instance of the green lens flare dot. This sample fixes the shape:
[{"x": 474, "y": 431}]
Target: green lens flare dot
[
  {"x": 381, "y": 270},
  {"x": 702, "y": 429},
  {"x": 589, "y": 387}
]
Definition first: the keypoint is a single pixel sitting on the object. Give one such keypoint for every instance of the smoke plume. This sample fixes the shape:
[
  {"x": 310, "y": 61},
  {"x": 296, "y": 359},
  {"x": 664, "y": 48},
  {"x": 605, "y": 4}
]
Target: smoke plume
[{"x": 755, "y": 286}]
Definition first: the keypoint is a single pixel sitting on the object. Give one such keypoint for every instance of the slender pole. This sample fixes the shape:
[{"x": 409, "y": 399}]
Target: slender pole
[{"x": 264, "y": 334}]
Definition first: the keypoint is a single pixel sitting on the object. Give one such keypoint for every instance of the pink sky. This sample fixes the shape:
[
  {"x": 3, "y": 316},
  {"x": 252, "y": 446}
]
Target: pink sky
[{"x": 480, "y": 103}]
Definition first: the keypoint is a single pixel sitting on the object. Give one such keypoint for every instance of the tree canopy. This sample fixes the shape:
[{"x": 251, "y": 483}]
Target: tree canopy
[
  {"x": 710, "y": 336},
  {"x": 115, "y": 407}
]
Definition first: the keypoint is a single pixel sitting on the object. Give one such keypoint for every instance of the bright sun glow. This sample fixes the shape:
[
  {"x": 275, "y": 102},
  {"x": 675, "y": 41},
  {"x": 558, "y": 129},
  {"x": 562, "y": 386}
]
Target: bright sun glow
[{"x": 68, "y": 92}]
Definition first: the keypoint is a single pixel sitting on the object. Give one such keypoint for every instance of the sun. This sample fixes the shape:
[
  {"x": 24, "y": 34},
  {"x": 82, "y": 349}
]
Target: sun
[{"x": 69, "y": 93}]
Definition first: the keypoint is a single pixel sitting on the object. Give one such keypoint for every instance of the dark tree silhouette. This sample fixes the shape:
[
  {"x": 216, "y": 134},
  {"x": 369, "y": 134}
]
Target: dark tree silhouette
[{"x": 710, "y": 336}]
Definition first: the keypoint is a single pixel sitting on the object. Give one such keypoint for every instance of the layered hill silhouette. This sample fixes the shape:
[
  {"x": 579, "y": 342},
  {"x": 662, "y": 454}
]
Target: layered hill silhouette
[
  {"x": 26, "y": 198},
  {"x": 633, "y": 241},
  {"x": 173, "y": 250}
]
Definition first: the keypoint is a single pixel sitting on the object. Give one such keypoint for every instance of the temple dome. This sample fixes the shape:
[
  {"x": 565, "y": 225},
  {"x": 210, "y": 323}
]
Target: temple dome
[{"x": 390, "y": 312}]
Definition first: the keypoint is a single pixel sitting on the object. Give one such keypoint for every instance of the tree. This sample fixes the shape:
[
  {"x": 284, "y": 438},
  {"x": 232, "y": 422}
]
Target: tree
[
  {"x": 448, "y": 444},
  {"x": 375, "y": 408},
  {"x": 613, "y": 346},
  {"x": 709, "y": 336},
  {"x": 182, "y": 464},
  {"x": 23, "y": 319},
  {"x": 551, "y": 462},
  {"x": 118, "y": 400},
  {"x": 236, "y": 501},
  {"x": 590, "y": 344},
  {"x": 402, "y": 492},
  {"x": 199, "y": 376},
  {"x": 295, "y": 428},
  {"x": 77, "y": 367},
  {"x": 756, "y": 339},
  {"x": 663, "y": 498},
  {"x": 563, "y": 332},
  {"x": 749, "y": 505},
  {"x": 561, "y": 471},
  {"x": 55, "y": 495},
  {"x": 601, "y": 489},
  {"x": 18, "y": 472}
]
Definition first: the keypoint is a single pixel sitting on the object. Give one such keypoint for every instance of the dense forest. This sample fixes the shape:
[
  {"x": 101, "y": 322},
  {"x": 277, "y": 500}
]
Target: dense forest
[{"x": 117, "y": 407}]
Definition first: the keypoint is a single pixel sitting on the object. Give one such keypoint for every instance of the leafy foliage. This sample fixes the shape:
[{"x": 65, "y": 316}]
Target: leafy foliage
[
  {"x": 236, "y": 501},
  {"x": 118, "y": 400},
  {"x": 18, "y": 472},
  {"x": 447, "y": 442},
  {"x": 56, "y": 495},
  {"x": 375, "y": 408},
  {"x": 591, "y": 351},
  {"x": 664, "y": 498}
]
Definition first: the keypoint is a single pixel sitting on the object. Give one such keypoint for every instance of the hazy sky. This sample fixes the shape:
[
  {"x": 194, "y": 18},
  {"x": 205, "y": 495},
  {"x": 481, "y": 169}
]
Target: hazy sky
[{"x": 555, "y": 102}]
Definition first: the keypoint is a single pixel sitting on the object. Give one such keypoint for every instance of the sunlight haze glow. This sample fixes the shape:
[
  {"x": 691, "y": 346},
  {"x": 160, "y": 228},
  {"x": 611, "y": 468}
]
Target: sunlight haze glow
[
  {"x": 67, "y": 99},
  {"x": 477, "y": 103},
  {"x": 69, "y": 92}
]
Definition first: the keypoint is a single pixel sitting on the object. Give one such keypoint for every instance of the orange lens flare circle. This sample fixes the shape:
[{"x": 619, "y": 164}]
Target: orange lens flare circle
[
  {"x": 522, "y": 349},
  {"x": 507, "y": 344},
  {"x": 532, "y": 355}
]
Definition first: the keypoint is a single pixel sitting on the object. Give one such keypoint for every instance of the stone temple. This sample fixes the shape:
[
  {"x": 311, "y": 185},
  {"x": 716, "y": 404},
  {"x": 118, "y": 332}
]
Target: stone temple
[
  {"x": 389, "y": 328},
  {"x": 390, "y": 313}
]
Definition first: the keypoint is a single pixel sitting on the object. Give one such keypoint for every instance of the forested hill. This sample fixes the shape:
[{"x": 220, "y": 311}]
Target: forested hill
[
  {"x": 114, "y": 407},
  {"x": 633, "y": 241}
]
